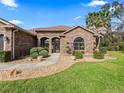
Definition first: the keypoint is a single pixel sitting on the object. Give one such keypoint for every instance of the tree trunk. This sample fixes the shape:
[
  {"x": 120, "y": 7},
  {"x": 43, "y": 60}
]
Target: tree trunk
[{"x": 98, "y": 44}]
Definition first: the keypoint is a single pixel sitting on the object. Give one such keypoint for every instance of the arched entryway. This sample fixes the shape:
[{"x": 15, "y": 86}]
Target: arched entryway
[
  {"x": 44, "y": 42},
  {"x": 1, "y": 41},
  {"x": 55, "y": 45},
  {"x": 79, "y": 44}
]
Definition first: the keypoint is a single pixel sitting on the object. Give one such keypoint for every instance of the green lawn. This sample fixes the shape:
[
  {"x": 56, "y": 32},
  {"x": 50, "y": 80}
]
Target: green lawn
[{"x": 107, "y": 77}]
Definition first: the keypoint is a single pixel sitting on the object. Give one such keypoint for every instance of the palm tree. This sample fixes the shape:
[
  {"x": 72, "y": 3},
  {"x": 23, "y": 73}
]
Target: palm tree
[{"x": 98, "y": 22}]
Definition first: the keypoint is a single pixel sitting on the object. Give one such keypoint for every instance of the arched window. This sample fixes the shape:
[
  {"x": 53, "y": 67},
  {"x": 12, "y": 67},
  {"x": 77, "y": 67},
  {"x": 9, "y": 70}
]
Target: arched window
[
  {"x": 1, "y": 41},
  {"x": 45, "y": 42},
  {"x": 79, "y": 44}
]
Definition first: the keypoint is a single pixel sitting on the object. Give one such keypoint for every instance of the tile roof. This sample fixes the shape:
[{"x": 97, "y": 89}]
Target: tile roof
[{"x": 55, "y": 28}]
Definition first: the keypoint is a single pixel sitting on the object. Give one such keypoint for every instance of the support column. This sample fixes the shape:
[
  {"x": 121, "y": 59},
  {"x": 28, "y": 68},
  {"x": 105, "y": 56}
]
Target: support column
[
  {"x": 50, "y": 46},
  {"x": 62, "y": 44},
  {"x": 39, "y": 42}
]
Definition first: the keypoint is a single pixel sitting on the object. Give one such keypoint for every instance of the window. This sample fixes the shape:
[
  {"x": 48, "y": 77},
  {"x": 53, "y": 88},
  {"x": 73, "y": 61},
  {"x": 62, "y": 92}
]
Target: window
[
  {"x": 1, "y": 42},
  {"x": 78, "y": 43},
  {"x": 44, "y": 42}
]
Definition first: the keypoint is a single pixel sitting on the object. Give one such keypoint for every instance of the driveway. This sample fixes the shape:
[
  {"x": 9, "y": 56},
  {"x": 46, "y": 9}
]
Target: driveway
[{"x": 53, "y": 59}]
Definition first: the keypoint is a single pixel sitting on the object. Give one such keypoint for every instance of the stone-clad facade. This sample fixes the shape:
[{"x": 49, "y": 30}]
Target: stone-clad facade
[
  {"x": 71, "y": 35},
  {"x": 23, "y": 43},
  {"x": 57, "y": 39},
  {"x": 68, "y": 35},
  {"x": 16, "y": 40}
]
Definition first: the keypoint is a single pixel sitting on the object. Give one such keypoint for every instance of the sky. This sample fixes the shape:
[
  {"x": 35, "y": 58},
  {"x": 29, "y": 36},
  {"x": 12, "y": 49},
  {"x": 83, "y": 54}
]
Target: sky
[{"x": 45, "y": 13}]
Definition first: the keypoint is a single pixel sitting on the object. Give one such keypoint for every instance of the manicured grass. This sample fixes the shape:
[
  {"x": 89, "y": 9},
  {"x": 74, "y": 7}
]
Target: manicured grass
[{"x": 107, "y": 77}]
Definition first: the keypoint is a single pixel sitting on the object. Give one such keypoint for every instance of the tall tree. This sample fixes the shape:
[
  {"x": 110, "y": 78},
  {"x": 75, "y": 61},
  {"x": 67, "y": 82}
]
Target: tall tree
[
  {"x": 98, "y": 19},
  {"x": 117, "y": 13},
  {"x": 99, "y": 22}
]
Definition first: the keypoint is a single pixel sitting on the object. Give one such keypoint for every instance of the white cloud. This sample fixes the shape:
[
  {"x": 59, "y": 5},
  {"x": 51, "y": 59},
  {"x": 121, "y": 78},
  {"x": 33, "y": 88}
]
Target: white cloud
[
  {"x": 78, "y": 17},
  {"x": 16, "y": 22},
  {"x": 95, "y": 3},
  {"x": 9, "y": 3}
]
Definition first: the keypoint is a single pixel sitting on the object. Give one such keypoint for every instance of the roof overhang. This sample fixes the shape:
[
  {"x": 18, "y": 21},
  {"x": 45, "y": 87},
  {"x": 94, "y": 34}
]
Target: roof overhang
[{"x": 13, "y": 26}]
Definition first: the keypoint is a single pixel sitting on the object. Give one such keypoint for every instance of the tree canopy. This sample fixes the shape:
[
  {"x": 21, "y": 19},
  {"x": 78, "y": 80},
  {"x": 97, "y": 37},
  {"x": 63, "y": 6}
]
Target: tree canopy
[
  {"x": 117, "y": 13},
  {"x": 98, "y": 19}
]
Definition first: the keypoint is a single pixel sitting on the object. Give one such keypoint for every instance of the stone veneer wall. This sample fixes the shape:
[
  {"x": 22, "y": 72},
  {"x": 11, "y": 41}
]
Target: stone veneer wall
[
  {"x": 7, "y": 33},
  {"x": 7, "y": 43},
  {"x": 23, "y": 43},
  {"x": 50, "y": 35},
  {"x": 69, "y": 37}
]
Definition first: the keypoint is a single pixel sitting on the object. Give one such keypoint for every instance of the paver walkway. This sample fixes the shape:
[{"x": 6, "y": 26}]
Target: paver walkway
[{"x": 53, "y": 59}]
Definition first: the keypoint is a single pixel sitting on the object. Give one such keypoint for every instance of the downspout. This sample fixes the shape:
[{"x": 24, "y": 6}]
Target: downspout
[
  {"x": 4, "y": 46},
  {"x": 13, "y": 43}
]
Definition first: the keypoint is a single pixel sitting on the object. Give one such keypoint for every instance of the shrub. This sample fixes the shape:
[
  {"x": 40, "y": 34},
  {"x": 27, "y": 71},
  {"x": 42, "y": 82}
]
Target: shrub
[
  {"x": 5, "y": 56},
  {"x": 38, "y": 51},
  {"x": 113, "y": 47},
  {"x": 34, "y": 52},
  {"x": 44, "y": 53},
  {"x": 103, "y": 50},
  {"x": 78, "y": 54},
  {"x": 46, "y": 48},
  {"x": 121, "y": 46},
  {"x": 68, "y": 51},
  {"x": 98, "y": 55}
]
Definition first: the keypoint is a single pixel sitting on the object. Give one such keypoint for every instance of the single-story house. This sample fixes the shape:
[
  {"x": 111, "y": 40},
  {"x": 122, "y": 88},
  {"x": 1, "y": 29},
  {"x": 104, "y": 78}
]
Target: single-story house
[{"x": 57, "y": 39}]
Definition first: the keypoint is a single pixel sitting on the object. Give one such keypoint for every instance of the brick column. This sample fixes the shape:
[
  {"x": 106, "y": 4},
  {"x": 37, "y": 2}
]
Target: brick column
[
  {"x": 39, "y": 42},
  {"x": 50, "y": 46},
  {"x": 62, "y": 44}
]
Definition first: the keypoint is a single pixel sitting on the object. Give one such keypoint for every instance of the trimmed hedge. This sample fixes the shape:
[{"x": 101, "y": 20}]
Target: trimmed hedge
[
  {"x": 38, "y": 51},
  {"x": 78, "y": 54},
  {"x": 98, "y": 55},
  {"x": 5, "y": 56},
  {"x": 44, "y": 53}
]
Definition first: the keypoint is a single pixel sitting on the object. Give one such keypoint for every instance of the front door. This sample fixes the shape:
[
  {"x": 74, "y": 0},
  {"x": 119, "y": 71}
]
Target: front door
[{"x": 56, "y": 45}]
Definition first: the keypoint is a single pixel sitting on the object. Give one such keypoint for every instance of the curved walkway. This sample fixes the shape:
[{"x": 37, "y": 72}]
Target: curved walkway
[
  {"x": 53, "y": 59},
  {"x": 44, "y": 69}
]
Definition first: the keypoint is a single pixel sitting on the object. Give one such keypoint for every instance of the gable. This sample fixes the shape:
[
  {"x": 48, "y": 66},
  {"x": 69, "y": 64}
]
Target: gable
[{"x": 79, "y": 29}]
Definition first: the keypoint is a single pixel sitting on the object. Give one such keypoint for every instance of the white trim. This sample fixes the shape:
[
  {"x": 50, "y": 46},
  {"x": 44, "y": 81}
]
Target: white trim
[{"x": 4, "y": 22}]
